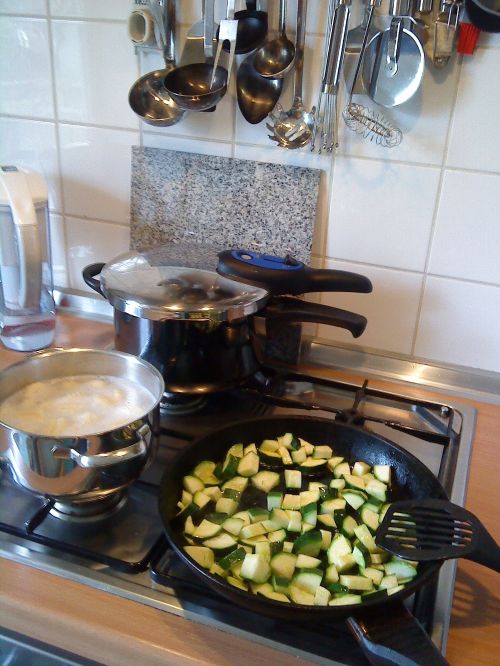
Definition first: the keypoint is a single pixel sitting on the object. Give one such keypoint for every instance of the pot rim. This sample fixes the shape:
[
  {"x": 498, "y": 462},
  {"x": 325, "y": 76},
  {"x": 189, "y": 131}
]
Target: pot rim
[{"x": 11, "y": 369}]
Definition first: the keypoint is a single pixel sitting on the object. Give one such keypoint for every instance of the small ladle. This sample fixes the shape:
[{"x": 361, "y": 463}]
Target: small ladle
[
  {"x": 275, "y": 59},
  {"x": 252, "y": 28},
  {"x": 148, "y": 97}
]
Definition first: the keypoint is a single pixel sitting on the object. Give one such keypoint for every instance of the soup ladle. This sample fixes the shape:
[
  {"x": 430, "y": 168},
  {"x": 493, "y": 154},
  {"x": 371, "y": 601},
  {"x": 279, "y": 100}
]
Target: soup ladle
[
  {"x": 275, "y": 59},
  {"x": 148, "y": 97}
]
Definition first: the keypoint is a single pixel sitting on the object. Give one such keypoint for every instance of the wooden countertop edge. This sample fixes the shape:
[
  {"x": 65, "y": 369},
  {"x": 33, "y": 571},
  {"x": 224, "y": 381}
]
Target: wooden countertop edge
[
  {"x": 119, "y": 632},
  {"x": 112, "y": 630}
]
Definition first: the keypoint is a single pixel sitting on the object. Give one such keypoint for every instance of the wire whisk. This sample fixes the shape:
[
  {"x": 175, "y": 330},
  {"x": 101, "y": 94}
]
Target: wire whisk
[{"x": 372, "y": 125}]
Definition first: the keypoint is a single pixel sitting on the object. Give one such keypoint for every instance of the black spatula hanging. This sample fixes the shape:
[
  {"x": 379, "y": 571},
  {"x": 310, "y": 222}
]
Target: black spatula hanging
[{"x": 425, "y": 530}]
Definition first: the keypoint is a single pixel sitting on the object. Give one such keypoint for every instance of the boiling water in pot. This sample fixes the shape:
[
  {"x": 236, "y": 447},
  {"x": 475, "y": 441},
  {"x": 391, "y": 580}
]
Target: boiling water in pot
[{"x": 75, "y": 406}]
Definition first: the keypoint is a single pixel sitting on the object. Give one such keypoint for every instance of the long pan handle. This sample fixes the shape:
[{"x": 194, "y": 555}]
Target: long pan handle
[{"x": 394, "y": 639}]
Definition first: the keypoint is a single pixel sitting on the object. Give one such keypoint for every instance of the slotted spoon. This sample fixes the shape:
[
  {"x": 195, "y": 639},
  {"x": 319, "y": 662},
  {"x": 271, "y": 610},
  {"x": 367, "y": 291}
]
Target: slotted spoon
[{"x": 432, "y": 529}]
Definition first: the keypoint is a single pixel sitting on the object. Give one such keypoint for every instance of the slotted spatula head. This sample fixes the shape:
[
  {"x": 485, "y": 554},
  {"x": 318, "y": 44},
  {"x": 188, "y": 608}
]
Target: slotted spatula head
[{"x": 429, "y": 529}]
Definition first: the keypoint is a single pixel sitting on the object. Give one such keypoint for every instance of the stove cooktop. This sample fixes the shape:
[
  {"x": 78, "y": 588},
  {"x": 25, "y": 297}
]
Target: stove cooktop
[{"x": 126, "y": 553}]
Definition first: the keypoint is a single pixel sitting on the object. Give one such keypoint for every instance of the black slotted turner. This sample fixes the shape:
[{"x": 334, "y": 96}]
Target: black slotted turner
[{"x": 433, "y": 529}]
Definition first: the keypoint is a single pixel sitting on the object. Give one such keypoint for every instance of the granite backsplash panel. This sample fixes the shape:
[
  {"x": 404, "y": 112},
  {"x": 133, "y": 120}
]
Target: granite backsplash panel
[{"x": 221, "y": 201}]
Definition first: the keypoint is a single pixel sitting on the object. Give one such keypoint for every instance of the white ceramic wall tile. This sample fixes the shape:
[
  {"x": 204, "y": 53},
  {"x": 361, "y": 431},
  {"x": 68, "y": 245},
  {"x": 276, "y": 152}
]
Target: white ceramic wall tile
[
  {"x": 24, "y": 7},
  {"x": 466, "y": 242},
  {"x": 90, "y": 242},
  {"x": 96, "y": 168},
  {"x": 94, "y": 69},
  {"x": 381, "y": 213},
  {"x": 391, "y": 309},
  {"x": 423, "y": 120},
  {"x": 91, "y": 9},
  {"x": 58, "y": 250},
  {"x": 157, "y": 140},
  {"x": 474, "y": 137},
  {"x": 189, "y": 11},
  {"x": 459, "y": 324},
  {"x": 32, "y": 143},
  {"x": 25, "y": 81}
]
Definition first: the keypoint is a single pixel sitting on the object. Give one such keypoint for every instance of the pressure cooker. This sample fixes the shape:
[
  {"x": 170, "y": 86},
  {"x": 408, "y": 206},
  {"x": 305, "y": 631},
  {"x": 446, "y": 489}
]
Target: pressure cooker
[{"x": 196, "y": 325}]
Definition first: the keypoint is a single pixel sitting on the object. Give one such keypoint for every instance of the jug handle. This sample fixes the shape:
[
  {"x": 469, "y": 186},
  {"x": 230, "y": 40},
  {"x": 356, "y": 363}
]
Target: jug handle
[{"x": 28, "y": 238}]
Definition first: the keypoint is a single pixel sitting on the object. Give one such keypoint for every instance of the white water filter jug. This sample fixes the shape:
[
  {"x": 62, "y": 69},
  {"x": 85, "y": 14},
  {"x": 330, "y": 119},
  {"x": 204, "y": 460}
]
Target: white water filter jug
[{"x": 27, "y": 310}]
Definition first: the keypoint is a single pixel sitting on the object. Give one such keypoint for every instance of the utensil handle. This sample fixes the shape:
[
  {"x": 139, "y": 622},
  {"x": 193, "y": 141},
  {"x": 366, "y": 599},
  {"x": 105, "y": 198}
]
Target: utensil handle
[
  {"x": 170, "y": 19},
  {"x": 486, "y": 552},
  {"x": 282, "y": 18},
  {"x": 89, "y": 273},
  {"x": 289, "y": 309},
  {"x": 300, "y": 41},
  {"x": 138, "y": 448},
  {"x": 395, "y": 641},
  {"x": 335, "y": 58},
  {"x": 208, "y": 28}
]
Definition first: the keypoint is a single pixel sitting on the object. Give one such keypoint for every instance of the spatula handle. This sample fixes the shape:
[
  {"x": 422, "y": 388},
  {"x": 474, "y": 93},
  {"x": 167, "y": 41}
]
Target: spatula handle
[{"x": 486, "y": 552}]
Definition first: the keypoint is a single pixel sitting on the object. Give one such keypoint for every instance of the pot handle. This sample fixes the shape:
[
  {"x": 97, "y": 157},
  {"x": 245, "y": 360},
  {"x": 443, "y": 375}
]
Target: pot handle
[
  {"x": 89, "y": 273},
  {"x": 286, "y": 275},
  {"x": 136, "y": 449},
  {"x": 293, "y": 309},
  {"x": 395, "y": 641}
]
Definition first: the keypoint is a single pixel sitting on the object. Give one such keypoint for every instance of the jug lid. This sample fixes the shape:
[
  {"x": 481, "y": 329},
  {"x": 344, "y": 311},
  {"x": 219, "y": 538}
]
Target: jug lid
[{"x": 175, "y": 282}]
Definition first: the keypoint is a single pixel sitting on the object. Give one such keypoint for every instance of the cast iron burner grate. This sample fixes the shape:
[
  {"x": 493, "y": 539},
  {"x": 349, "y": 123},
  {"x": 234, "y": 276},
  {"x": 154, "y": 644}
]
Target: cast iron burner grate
[{"x": 125, "y": 539}]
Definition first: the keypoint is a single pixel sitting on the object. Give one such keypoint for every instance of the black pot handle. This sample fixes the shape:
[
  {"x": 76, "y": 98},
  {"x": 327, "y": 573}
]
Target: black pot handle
[
  {"x": 394, "y": 639},
  {"x": 289, "y": 309},
  {"x": 89, "y": 273},
  {"x": 286, "y": 275}
]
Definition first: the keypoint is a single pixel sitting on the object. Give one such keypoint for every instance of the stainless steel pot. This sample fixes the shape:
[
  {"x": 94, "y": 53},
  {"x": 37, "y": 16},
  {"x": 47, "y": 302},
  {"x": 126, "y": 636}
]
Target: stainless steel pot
[
  {"x": 197, "y": 326},
  {"x": 80, "y": 469}
]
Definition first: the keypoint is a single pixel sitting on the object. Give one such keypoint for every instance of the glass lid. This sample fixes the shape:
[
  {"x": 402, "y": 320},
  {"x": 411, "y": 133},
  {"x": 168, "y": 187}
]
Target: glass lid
[{"x": 177, "y": 281}]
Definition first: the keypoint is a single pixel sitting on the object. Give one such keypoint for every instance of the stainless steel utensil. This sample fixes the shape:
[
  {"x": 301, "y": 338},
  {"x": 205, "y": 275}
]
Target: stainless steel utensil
[
  {"x": 80, "y": 469},
  {"x": 148, "y": 97},
  {"x": 275, "y": 59},
  {"x": 200, "y": 39},
  {"x": 327, "y": 117},
  {"x": 257, "y": 96},
  {"x": 197, "y": 87},
  {"x": 293, "y": 128},
  {"x": 393, "y": 64},
  {"x": 252, "y": 28},
  {"x": 228, "y": 30}
]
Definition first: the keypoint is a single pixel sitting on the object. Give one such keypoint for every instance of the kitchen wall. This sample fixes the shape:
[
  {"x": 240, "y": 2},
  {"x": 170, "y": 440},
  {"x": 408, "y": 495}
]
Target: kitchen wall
[{"x": 421, "y": 220}]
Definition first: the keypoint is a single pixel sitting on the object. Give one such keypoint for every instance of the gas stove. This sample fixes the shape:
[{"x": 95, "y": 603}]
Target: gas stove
[{"x": 124, "y": 552}]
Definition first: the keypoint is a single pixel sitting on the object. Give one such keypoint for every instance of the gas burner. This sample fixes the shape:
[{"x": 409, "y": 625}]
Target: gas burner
[
  {"x": 87, "y": 512},
  {"x": 178, "y": 404}
]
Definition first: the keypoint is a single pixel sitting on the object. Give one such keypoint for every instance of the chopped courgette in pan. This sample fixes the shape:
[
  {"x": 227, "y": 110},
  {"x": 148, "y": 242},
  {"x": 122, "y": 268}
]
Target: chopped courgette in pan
[{"x": 289, "y": 520}]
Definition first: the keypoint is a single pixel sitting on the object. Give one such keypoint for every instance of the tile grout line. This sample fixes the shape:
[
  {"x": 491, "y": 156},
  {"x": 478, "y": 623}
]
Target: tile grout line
[
  {"x": 437, "y": 204},
  {"x": 58, "y": 141}
]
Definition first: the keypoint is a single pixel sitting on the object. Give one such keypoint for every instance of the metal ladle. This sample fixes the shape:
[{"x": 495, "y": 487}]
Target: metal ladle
[
  {"x": 294, "y": 128},
  {"x": 275, "y": 59},
  {"x": 148, "y": 97}
]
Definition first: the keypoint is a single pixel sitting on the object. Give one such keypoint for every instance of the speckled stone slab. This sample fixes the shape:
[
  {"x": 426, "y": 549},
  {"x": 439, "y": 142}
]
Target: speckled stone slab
[{"x": 222, "y": 201}]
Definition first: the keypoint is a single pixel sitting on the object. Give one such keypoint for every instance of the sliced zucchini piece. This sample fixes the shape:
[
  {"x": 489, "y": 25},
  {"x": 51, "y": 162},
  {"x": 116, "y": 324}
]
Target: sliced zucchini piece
[
  {"x": 293, "y": 478},
  {"x": 310, "y": 514},
  {"x": 299, "y": 456},
  {"x": 299, "y": 596},
  {"x": 382, "y": 473},
  {"x": 356, "y": 582},
  {"x": 312, "y": 466},
  {"x": 360, "y": 468},
  {"x": 233, "y": 526},
  {"x": 274, "y": 499},
  {"x": 377, "y": 489},
  {"x": 308, "y": 580},
  {"x": 323, "y": 451},
  {"x": 265, "y": 480},
  {"x": 222, "y": 541},
  {"x": 283, "y": 565},
  {"x": 192, "y": 484},
  {"x": 231, "y": 558},
  {"x": 294, "y": 521},
  {"x": 205, "y": 471},
  {"x": 206, "y": 529},
  {"x": 307, "y": 562},
  {"x": 257, "y": 514},
  {"x": 346, "y": 600},
  {"x": 255, "y": 568},
  {"x": 309, "y": 543},
  {"x": 201, "y": 555}
]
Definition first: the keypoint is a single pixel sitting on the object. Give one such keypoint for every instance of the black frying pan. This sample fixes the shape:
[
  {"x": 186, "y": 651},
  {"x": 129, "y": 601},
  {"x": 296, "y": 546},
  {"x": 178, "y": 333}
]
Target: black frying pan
[{"x": 386, "y": 631}]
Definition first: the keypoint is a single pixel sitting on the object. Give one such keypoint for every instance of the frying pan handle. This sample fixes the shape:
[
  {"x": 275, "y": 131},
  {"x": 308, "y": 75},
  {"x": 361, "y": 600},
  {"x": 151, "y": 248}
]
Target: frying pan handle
[
  {"x": 289, "y": 309},
  {"x": 89, "y": 273},
  {"x": 395, "y": 641}
]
